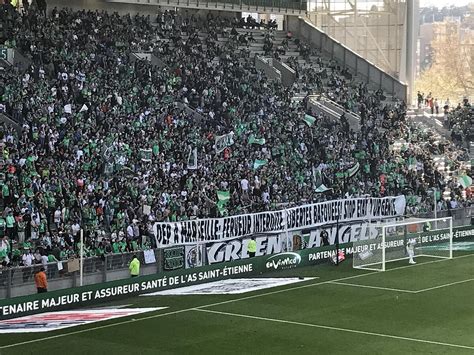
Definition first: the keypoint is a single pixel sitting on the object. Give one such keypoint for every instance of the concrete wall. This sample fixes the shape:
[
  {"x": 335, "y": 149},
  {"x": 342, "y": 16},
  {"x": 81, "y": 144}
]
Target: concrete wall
[
  {"x": 10, "y": 122},
  {"x": 364, "y": 70},
  {"x": 288, "y": 75},
  {"x": 325, "y": 106},
  {"x": 266, "y": 66},
  {"x": 154, "y": 60},
  {"x": 11, "y": 56}
]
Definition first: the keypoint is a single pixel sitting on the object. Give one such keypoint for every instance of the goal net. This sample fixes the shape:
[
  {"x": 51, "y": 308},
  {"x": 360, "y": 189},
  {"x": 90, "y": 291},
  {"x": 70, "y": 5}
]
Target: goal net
[{"x": 394, "y": 241}]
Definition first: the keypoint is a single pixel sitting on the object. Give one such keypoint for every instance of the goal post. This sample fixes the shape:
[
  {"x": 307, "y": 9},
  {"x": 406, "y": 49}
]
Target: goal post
[{"x": 388, "y": 242}]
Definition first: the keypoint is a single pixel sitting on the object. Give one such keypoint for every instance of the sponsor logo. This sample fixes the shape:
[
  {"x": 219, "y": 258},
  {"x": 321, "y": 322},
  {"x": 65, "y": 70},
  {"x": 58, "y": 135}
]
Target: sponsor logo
[
  {"x": 45, "y": 322},
  {"x": 283, "y": 261},
  {"x": 231, "y": 286}
]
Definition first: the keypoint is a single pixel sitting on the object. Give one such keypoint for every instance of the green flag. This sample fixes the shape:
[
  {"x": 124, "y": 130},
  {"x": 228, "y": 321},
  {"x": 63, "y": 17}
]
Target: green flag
[
  {"x": 309, "y": 120},
  {"x": 349, "y": 172},
  {"x": 223, "y": 196},
  {"x": 322, "y": 188},
  {"x": 221, "y": 208},
  {"x": 465, "y": 181},
  {"x": 412, "y": 163},
  {"x": 253, "y": 140},
  {"x": 258, "y": 163},
  {"x": 146, "y": 154}
]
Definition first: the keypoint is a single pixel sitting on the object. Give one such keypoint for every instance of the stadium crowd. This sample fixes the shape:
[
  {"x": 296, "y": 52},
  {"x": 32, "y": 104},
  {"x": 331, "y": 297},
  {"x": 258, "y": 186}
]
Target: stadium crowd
[
  {"x": 112, "y": 145},
  {"x": 460, "y": 121}
]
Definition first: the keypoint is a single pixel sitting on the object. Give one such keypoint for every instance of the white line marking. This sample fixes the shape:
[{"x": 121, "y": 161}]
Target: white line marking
[
  {"x": 438, "y": 122},
  {"x": 217, "y": 304},
  {"x": 445, "y": 285},
  {"x": 338, "y": 329},
  {"x": 374, "y": 287},
  {"x": 113, "y": 307}
]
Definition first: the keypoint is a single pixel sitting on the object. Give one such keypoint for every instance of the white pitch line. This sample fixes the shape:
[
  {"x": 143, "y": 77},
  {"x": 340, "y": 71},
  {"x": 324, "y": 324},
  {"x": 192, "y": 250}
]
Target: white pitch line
[
  {"x": 216, "y": 304},
  {"x": 445, "y": 285},
  {"x": 374, "y": 287},
  {"x": 347, "y": 330}
]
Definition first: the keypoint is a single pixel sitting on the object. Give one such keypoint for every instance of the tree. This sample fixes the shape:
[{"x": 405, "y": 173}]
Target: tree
[{"x": 452, "y": 73}]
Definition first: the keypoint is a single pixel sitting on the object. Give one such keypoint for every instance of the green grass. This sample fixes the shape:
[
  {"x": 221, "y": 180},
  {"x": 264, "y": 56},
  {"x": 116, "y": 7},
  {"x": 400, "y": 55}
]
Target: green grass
[{"x": 321, "y": 317}]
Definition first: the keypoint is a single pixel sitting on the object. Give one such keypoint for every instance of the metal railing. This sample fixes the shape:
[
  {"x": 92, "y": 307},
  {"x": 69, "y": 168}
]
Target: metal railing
[{"x": 66, "y": 272}]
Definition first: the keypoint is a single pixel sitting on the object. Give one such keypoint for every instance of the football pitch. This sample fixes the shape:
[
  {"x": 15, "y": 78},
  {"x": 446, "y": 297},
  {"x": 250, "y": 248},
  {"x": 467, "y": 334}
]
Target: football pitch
[{"x": 427, "y": 308}]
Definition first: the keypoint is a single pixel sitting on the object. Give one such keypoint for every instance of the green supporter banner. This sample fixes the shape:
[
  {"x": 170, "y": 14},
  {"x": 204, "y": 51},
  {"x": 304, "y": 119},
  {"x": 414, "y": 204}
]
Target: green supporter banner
[
  {"x": 173, "y": 258},
  {"x": 108, "y": 291}
]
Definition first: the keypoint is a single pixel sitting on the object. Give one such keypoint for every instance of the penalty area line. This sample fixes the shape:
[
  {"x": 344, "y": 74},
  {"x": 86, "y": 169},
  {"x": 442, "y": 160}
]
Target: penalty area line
[
  {"x": 444, "y": 285},
  {"x": 372, "y": 287},
  {"x": 328, "y": 327}
]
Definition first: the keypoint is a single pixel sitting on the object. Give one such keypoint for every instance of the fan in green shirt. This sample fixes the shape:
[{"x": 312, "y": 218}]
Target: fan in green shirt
[
  {"x": 63, "y": 255},
  {"x": 115, "y": 248},
  {"x": 99, "y": 251},
  {"x": 5, "y": 190},
  {"x": 52, "y": 258},
  {"x": 10, "y": 221},
  {"x": 122, "y": 246}
]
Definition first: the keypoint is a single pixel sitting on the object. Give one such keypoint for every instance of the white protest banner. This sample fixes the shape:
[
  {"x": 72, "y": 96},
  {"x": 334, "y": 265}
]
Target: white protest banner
[
  {"x": 307, "y": 216},
  {"x": 222, "y": 142}
]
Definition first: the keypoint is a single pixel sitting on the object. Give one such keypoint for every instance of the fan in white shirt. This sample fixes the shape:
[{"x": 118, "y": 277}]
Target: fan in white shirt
[{"x": 244, "y": 184}]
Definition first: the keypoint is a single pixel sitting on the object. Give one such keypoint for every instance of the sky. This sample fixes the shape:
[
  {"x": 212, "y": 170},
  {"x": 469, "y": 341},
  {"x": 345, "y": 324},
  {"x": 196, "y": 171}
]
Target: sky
[{"x": 442, "y": 3}]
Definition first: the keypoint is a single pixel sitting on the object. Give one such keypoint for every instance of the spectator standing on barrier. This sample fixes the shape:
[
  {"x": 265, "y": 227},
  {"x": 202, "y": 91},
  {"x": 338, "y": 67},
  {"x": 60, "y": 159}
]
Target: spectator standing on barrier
[
  {"x": 252, "y": 247},
  {"x": 134, "y": 267},
  {"x": 40, "y": 281}
]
